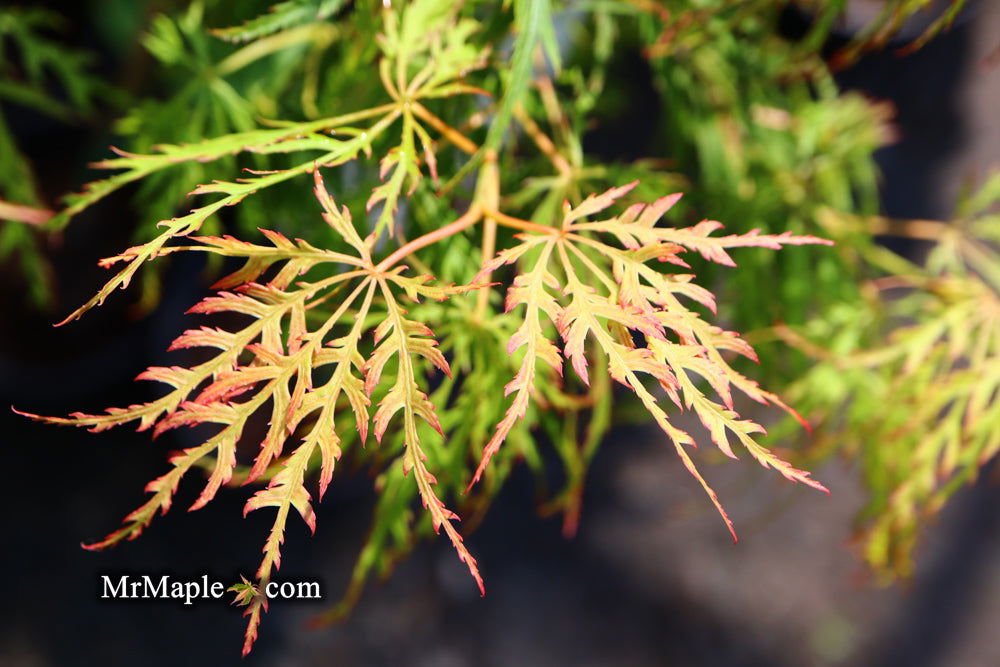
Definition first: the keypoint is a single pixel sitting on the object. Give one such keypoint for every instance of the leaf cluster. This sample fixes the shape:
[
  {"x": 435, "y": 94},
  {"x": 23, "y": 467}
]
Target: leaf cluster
[{"x": 908, "y": 379}]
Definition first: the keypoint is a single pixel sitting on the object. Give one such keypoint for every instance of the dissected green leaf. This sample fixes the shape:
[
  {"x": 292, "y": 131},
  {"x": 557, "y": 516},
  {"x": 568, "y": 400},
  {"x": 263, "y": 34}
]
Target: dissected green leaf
[
  {"x": 281, "y": 16},
  {"x": 910, "y": 383}
]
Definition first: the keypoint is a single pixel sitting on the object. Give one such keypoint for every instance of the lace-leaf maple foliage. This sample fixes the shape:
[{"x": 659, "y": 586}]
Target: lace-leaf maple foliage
[
  {"x": 908, "y": 379},
  {"x": 606, "y": 294},
  {"x": 328, "y": 341},
  {"x": 582, "y": 287}
]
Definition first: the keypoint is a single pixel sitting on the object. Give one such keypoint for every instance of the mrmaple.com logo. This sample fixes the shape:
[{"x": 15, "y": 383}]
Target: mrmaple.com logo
[{"x": 168, "y": 587}]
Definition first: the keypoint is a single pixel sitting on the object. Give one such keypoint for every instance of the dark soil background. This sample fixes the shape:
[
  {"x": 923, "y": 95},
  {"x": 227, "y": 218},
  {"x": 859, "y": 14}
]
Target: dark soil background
[{"x": 652, "y": 578}]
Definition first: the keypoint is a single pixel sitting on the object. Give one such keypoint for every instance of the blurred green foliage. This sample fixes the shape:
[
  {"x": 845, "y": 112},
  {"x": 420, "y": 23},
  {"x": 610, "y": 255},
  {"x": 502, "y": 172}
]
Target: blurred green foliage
[{"x": 40, "y": 74}]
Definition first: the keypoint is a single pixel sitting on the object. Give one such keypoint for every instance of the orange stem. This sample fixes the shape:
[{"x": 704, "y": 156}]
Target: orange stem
[
  {"x": 518, "y": 223},
  {"x": 447, "y": 131},
  {"x": 31, "y": 215},
  {"x": 488, "y": 194},
  {"x": 542, "y": 141},
  {"x": 469, "y": 218}
]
